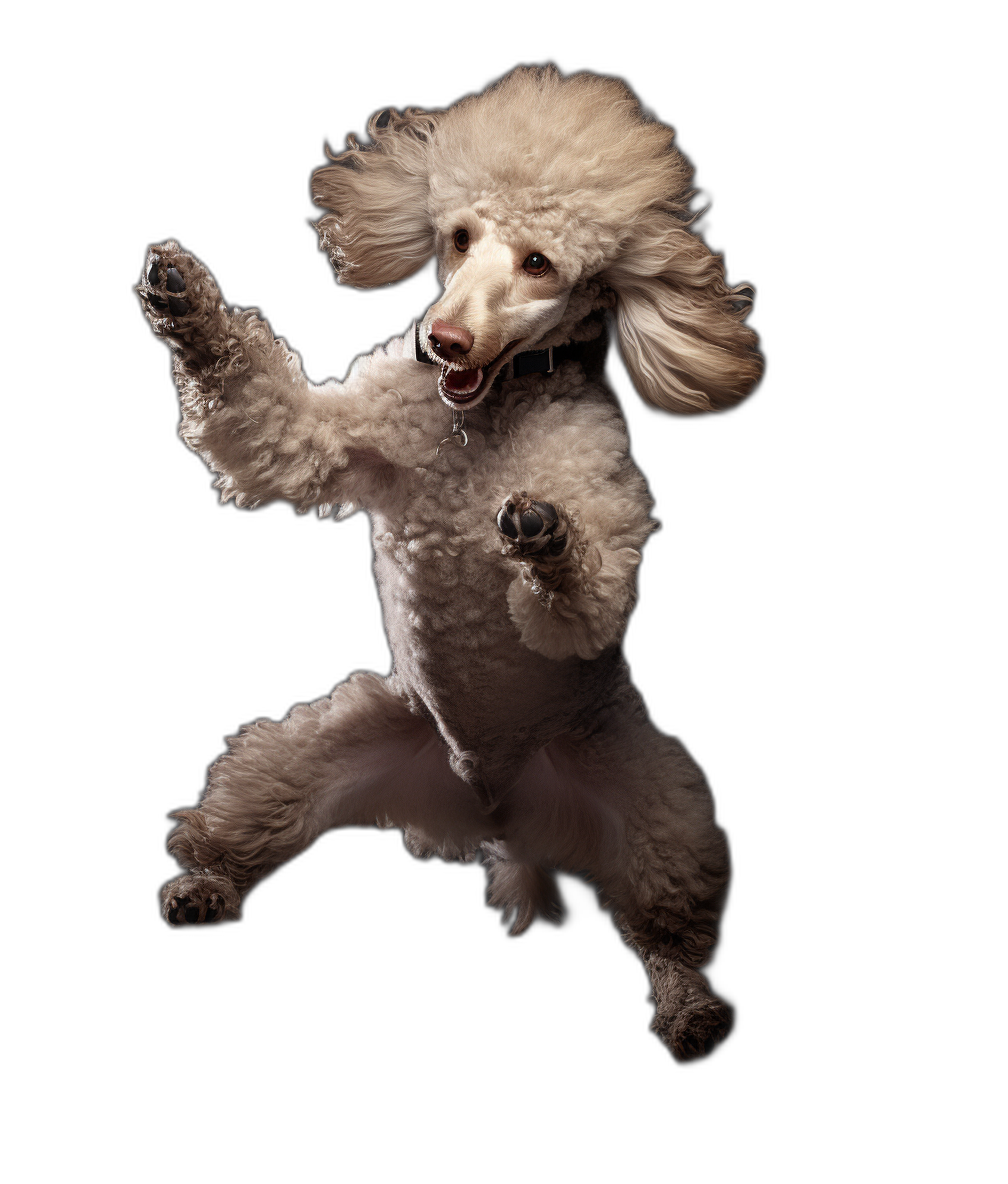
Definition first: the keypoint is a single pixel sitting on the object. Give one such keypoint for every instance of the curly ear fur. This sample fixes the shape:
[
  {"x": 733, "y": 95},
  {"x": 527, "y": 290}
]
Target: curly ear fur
[
  {"x": 378, "y": 229},
  {"x": 680, "y": 325}
]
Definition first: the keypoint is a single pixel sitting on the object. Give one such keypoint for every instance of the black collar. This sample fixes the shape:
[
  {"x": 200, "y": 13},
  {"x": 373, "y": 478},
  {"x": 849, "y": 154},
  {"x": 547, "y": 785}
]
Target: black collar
[{"x": 532, "y": 361}]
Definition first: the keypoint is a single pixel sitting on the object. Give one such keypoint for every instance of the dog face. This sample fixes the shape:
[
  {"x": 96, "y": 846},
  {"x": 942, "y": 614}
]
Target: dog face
[
  {"x": 538, "y": 185},
  {"x": 502, "y": 293}
]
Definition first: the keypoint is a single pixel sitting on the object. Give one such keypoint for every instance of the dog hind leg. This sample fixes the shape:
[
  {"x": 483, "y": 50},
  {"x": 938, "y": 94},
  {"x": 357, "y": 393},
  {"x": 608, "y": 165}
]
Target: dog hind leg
[
  {"x": 358, "y": 757},
  {"x": 627, "y": 806}
]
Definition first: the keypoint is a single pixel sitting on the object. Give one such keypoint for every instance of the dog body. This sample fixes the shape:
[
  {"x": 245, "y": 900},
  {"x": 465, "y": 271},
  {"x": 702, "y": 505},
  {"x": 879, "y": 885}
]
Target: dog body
[{"x": 506, "y": 553}]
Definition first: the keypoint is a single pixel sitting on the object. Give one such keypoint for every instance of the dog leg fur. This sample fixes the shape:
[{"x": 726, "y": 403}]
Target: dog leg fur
[
  {"x": 250, "y": 412},
  {"x": 629, "y": 808},
  {"x": 623, "y": 804},
  {"x": 576, "y": 587},
  {"x": 359, "y": 757}
]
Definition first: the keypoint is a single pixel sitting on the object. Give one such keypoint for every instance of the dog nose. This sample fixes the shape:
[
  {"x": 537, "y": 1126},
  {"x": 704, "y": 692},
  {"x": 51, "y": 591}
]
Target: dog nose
[{"x": 450, "y": 340}]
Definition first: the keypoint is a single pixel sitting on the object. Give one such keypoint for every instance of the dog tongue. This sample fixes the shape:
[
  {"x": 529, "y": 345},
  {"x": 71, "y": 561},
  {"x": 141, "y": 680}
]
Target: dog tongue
[{"x": 462, "y": 382}]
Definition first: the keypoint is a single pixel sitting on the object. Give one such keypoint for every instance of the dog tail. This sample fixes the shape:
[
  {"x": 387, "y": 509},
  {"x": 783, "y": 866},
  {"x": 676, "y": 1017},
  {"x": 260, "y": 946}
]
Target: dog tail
[{"x": 524, "y": 892}]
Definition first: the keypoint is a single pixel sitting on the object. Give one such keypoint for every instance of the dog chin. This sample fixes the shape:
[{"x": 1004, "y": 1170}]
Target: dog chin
[{"x": 466, "y": 388}]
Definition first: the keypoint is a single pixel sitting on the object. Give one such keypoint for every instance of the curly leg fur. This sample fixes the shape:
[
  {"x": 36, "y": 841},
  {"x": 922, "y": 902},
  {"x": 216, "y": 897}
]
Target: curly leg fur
[
  {"x": 185, "y": 306},
  {"x": 358, "y": 757},
  {"x": 628, "y": 806},
  {"x": 266, "y": 798},
  {"x": 679, "y": 876},
  {"x": 672, "y": 918},
  {"x": 689, "y": 1018},
  {"x": 250, "y": 412},
  {"x": 543, "y": 538},
  {"x": 569, "y": 598}
]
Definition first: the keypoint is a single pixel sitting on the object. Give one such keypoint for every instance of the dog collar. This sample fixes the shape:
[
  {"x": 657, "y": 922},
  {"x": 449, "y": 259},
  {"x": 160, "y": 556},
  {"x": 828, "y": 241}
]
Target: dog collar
[{"x": 532, "y": 361}]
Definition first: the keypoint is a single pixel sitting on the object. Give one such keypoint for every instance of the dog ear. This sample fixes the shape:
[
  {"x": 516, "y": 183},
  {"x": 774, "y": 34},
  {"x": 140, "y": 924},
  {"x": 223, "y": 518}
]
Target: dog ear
[
  {"x": 378, "y": 229},
  {"x": 680, "y": 326}
]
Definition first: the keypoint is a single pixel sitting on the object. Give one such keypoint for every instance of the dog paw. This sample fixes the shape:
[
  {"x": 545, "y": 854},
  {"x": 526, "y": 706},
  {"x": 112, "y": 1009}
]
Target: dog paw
[
  {"x": 696, "y": 1031},
  {"x": 182, "y": 300},
  {"x": 530, "y": 527},
  {"x": 197, "y": 898}
]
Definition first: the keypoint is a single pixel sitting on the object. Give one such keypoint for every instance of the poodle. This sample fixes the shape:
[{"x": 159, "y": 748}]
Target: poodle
[{"x": 508, "y": 517}]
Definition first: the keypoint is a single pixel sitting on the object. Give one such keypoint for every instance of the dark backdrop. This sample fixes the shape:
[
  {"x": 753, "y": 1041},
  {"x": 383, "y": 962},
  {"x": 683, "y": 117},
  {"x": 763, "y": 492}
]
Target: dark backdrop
[{"x": 355, "y": 954}]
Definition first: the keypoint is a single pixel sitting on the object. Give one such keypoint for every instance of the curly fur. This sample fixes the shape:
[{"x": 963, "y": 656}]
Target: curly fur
[
  {"x": 508, "y": 727},
  {"x": 610, "y": 195}
]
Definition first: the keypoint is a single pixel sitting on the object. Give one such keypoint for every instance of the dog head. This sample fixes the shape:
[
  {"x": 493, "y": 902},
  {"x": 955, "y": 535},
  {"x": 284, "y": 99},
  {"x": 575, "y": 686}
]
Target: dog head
[{"x": 541, "y": 186}]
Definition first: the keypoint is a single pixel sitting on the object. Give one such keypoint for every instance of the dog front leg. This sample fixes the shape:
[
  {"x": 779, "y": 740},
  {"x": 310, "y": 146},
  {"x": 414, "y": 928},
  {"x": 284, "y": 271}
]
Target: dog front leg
[
  {"x": 573, "y": 592},
  {"x": 251, "y": 413}
]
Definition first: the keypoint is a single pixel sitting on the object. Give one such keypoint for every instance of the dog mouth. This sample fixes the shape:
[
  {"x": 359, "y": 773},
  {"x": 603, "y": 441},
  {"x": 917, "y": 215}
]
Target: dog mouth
[{"x": 459, "y": 388}]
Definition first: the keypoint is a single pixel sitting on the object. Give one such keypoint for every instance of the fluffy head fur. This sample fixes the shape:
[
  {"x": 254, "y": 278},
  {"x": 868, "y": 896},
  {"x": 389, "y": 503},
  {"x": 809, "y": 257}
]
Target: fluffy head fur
[{"x": 567, "y": 166}]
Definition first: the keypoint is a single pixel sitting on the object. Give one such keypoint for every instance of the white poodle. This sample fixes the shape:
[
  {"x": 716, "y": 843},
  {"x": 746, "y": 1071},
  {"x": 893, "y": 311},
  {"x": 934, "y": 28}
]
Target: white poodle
[{"x": 506, "y": 550}]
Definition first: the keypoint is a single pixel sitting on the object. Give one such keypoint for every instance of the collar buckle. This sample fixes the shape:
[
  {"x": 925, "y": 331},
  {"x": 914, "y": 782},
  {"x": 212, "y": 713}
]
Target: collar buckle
[{"x": 533, "y": 361}]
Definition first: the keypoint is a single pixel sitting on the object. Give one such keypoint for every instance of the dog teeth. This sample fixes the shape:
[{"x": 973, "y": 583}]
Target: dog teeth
[{"x": 451, "y": 379}]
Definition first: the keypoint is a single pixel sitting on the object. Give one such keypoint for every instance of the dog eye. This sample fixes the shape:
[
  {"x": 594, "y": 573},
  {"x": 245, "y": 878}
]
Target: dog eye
[
  {"x": 536, "y": 264},
  {"x": 461, "y": 240}
]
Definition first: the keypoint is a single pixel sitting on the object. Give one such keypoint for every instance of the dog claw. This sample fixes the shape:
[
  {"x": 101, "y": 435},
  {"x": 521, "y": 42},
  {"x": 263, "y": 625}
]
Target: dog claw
[
  {"x": 504, "y": 523},
  {"x": 152, "y": 274},
  {"x": 184, "y": 906},
  {"x": 175, "y": 281},
  {"x": 198, "y": 898},
  {"x": 184, "y": 911},
  {"x": 178, "y": 306}
]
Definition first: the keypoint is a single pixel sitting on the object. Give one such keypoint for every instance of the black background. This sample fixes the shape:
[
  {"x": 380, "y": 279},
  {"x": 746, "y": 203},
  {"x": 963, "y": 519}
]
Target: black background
[{"x": 357, "y": 959}]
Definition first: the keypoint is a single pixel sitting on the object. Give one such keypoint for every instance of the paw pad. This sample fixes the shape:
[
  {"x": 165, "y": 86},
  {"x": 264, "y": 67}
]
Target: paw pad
[
  {"x": 182, "y": 910},
  {"x": 530, "y": 525},
  {"x": 165, "y": 296}
]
